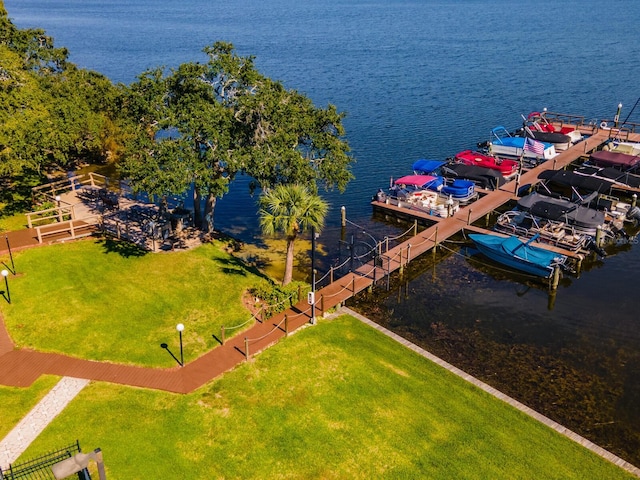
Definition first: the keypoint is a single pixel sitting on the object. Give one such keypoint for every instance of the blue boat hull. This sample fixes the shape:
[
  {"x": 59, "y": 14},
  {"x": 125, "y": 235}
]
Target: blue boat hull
[{"x": 514, "y": 253}]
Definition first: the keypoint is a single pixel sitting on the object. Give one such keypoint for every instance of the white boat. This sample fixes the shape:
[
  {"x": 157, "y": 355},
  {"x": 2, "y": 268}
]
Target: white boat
[
  {"x": 504, "y": 144},
  {"x": 629, "y": 148},
  {"x": 525, "y": 225},
  {"x": 538, "y": 127},
  {"x": 405, "y": 194}
]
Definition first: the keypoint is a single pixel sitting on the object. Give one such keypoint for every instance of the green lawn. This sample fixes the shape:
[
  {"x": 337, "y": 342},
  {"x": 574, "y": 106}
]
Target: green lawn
[
  {"x": 15, "y": 403},
  {"x": 104, "y": 300},
  {"x": 339, "y": 400},
  {"x": 13, "y": 222}
]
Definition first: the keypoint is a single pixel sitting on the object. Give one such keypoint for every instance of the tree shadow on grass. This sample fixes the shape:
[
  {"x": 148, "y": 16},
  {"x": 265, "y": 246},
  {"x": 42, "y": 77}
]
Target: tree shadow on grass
[
  {"x": 123, "y": 248},
  {"x": 237, "y": 266}
]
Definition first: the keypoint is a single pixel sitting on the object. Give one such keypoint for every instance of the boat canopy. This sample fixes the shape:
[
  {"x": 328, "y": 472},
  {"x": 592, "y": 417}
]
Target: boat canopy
[
  {"x": 570, "y": 179},
  {"x": 427, "y": 166},
  {"x": 415, "y": 180},
  {"x": 606, "y": 158}
]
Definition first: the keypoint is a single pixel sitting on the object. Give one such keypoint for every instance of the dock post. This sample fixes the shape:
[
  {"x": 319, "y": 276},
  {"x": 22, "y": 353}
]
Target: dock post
[
  {"x": 469, "y": 217},
  {"x": 415, "y": 228},
  {"x": 322, "y": 304},
  {"x": 401, "y": 269},
  {"x": 634, "y": 200},
  {"x": 343, "y": 216},
  {"x": 599, "y": 236},
  {"x": 435, "y": 243},
  {"x": 353, "y": 284},
  {"x": 246, "y": 348},
  {"x": 222, "y": 335},
  {"x": 556, "y": 278},
  {"x": 408, "y": 253}
]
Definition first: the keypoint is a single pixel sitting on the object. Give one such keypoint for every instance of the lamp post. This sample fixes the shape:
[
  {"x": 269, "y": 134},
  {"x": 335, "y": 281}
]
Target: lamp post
[
  {"x": 5, "y": 274},
  {"x": 13, "y": 266},
  {"x": 312, "y": 297},
  {"x": 617, "y": 117},
  {"x": 180, "y": 328}
]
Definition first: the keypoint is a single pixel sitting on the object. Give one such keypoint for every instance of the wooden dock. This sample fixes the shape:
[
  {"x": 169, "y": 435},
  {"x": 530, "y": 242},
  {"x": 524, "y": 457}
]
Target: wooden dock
[{"x": 440, "y": 229}]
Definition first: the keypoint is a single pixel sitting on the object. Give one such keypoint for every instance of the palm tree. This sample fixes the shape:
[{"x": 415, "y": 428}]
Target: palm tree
[{"x": 290, "y": 209}]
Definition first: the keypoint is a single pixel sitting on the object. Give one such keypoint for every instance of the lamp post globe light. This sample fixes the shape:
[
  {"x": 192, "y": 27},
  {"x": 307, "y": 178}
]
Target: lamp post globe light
[
  {"x": 5, "y": 274},
  {"x": 180, "y": 328}
]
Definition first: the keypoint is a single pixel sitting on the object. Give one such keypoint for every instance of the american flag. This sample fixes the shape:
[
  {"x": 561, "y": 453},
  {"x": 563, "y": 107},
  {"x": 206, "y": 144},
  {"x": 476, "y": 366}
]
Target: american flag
[{"x": 533, "y": 146}]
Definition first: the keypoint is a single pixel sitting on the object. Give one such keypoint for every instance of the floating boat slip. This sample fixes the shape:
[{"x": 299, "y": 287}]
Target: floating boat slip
[{"x": 517, "y": 254}]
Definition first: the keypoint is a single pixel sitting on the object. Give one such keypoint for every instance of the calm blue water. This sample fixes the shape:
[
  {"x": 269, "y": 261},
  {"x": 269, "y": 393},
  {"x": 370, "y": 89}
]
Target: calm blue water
[{"x": 419, "y": 79}]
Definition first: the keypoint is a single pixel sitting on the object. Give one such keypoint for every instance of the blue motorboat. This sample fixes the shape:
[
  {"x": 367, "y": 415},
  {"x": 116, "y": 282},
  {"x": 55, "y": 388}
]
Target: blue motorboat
[
  {"x": 514, "y": 253},
  {"x": 462, "y": 190}
]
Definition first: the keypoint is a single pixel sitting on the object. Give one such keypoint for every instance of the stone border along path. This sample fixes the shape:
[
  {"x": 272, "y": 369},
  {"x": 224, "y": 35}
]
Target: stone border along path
[
  {"x": 12, "y": 446},
  {"x": 501, "y": 396},
  {"x": 28, "y": 429}
]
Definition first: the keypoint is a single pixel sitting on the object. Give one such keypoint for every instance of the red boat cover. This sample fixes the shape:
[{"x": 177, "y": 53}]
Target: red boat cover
[
  {"x": 606, "y": 158},
  {"x": 415, "y": 180},
  {"x": 469, "y": 157}
]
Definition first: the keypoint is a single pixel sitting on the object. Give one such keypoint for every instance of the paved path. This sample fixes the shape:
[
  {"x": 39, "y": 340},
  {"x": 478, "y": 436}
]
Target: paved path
[
  {"x": 21, "y": 367},
  {"x": 28, "y": 429}
]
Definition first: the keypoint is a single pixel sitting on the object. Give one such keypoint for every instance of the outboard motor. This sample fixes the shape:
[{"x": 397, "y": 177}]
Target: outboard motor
[
  {"x": 633, "y": 214},
  {"x": 591, "y": 245},
  {"x": 619, "y": 232},
  {"x": 381, "y": 196}
]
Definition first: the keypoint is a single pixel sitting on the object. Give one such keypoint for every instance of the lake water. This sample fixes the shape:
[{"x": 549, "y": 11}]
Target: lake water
[{"x": 427, "y": 79}]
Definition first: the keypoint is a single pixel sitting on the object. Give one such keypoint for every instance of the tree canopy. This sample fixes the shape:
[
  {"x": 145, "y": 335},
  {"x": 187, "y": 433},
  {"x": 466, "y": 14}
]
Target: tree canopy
[
  {"x": 191, "y": 128},
  {"x": 222, "y": 118},
  {"x": 53, "y": 116}
]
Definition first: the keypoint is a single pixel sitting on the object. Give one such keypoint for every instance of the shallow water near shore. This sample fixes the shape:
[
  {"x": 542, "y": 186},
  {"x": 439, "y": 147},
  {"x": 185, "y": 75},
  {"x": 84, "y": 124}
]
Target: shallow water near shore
[{"x": 426, "y": 80}]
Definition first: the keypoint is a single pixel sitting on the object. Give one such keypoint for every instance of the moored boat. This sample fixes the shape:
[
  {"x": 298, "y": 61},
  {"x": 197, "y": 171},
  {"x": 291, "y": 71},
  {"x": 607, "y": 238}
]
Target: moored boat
[
  {"x": 410, "y": 192},
  {"x": 514, "y": 253},
  {"x": 459, "y": 189},
  {"x": 508, "y": 168},
  {"x": 502, "y": 143},
  {"x": 616, "y": 177},
  {"x": 525, "y": 225},
  {"x": 583, "y": 219},
  {"x": 537, "y": 126},
  {"x": 481, "y": 176},
  {"x": 615, "y": 159}
]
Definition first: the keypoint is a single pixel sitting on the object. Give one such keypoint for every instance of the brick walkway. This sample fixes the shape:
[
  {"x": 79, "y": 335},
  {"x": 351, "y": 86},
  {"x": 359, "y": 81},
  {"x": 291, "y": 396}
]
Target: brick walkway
[{"x": 21, "y": 367}]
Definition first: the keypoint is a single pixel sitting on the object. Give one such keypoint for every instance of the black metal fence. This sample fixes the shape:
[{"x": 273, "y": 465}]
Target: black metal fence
[{"x": 40, "y": 467}]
